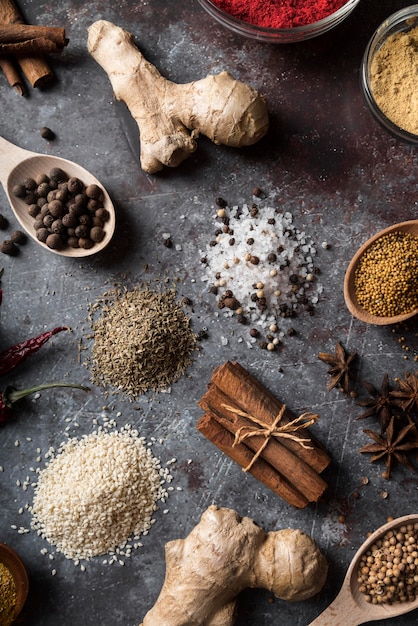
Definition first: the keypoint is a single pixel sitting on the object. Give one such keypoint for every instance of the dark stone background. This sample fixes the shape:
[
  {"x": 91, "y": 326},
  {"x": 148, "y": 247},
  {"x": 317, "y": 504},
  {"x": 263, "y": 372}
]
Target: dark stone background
[{"x": 327, "y": 161}]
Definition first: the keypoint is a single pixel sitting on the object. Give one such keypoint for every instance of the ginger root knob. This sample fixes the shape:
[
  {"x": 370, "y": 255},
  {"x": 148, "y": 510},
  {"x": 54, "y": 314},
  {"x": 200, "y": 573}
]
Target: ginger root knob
[
  {"x": 225, "y": 554},
  {"x": 170, "y": 116}
]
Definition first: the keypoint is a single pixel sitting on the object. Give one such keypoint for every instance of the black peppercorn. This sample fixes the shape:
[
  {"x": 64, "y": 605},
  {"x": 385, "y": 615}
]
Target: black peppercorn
[
  {"x": 294, "y": 279},
  {"x": 291, "y": 331},
  {"x": 256, "y": 192},
  {"x": 167, "y": 242},
  {"x": 254, "y": 332},
  {"x": 221, "y": 203},
  {"x": 262, "y": 344},
  {"x": 250, "y": 241},
  {"x": 213, "y": 290},
  {"x": 47, "y": 133},
  {"x": 231, "y": 241},
  {"x": 271, "y": 258},
  {"x": 4, "y": 222},
  {"x": 254, "y": 260}
]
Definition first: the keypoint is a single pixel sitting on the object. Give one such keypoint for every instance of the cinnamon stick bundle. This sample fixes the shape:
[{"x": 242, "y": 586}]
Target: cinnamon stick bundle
[
  {"x": 30, "y": 52},
  {"x": 289, "y": 464}
]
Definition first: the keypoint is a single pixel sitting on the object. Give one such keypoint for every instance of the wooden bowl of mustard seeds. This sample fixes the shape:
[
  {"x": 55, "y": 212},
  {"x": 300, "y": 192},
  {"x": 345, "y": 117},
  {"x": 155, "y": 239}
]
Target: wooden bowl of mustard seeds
[
  {"x": 380, "y": 284},
  {"x": 14, "y": 582}
]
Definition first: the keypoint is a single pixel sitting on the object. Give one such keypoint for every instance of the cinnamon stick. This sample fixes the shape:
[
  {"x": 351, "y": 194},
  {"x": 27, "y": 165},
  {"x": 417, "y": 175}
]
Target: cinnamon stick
[
  {"x": 12, "y": 74},
  {"x": 287, "y": 464},
  {"x": 35, "y": 67},
  {"x": 16, "y": 33},
  {"x": 39, "y": 45},
  {"x": 251, "y": 396},
  {"x": 242, "y": 455}
]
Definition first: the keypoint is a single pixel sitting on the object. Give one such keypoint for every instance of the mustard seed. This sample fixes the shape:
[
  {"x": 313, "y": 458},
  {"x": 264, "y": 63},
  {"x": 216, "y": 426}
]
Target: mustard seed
[{"x": 386, "y": 278}]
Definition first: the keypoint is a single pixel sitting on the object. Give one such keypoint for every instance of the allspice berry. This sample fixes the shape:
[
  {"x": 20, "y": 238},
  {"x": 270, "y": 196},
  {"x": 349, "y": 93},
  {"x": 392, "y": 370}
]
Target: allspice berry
[
  {"x": 97, "y": 234},
  {"x": 18, "y": 237},
  {"x": 8, "y": 247},
  {"x": 54, "y": 241}
]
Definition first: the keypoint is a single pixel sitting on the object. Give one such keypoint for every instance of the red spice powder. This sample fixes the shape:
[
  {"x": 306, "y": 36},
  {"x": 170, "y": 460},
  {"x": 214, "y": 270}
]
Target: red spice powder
[{"x": 280, "y": 13}]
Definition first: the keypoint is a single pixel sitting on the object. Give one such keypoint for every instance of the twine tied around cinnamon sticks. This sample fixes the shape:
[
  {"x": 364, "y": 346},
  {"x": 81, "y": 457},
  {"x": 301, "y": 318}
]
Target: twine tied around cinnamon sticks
[{"x": 274, "y": 430}]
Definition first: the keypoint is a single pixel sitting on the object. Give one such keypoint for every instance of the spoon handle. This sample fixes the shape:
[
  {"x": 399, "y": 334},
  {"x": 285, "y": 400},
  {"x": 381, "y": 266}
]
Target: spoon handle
[
  {"x": 344, "y": 611},
  {"x": 10, "y": 156}
]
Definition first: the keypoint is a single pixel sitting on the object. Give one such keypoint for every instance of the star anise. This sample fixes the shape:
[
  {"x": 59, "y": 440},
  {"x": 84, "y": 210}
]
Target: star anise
[
  {"x": 406, "y": 395},
  {"x": 392, "y": 446},
  {"x": 379, "y": 404},
  {"x": 341, "y": 368}
]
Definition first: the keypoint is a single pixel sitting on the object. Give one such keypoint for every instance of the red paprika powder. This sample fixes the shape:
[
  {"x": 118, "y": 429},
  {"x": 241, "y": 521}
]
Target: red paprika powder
[{"x": 280, "y": 13}]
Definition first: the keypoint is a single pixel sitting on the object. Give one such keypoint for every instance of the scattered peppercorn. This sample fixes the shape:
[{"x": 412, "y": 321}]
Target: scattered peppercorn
[
  {"x": 47, "y": 133},
  {"x": 8, "y": 247},
  {"x": 18, "y": 237},
  {"x": 4, "y": 222}
]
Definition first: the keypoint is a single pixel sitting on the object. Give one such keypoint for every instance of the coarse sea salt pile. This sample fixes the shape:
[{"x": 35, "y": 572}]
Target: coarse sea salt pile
[{"x": 261, "y": 268}]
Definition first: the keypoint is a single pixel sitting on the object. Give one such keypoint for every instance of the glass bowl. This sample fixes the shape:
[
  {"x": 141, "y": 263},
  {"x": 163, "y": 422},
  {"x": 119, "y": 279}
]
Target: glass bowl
[
  {"x": 279, "y": 35},
  {"x": 400, "y": 22}
]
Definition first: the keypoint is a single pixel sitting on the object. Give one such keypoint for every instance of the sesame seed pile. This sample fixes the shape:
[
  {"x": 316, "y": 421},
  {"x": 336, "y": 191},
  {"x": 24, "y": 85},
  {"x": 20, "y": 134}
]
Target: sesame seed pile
[
  {"x": 142, "y": 341},
  {"x": 261, "y": 269},
  {"x": 386, "y": 278},
  {"x": 388, "y": 571},
  {"x": 97, "y": 493}
]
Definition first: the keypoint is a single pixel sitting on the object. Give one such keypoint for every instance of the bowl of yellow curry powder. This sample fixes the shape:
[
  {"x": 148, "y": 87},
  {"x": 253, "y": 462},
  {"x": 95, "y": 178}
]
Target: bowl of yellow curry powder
[
  {"x": 389, "y": 74},
  {"x": 14, "y": 585}
]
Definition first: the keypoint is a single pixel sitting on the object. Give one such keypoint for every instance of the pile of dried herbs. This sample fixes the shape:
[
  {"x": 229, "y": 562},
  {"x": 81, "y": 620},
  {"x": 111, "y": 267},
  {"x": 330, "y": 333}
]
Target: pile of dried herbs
[{"x": 142, "y": 341}]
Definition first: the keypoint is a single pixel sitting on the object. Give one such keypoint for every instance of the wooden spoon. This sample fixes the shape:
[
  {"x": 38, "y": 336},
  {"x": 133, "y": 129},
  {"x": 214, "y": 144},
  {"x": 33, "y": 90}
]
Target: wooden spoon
[
  {"x": 350, "y": 607},
  {"x": 349, "y": 289},
  {"x": 14, "y": 564},
  {"x": 16, "y": 164}
]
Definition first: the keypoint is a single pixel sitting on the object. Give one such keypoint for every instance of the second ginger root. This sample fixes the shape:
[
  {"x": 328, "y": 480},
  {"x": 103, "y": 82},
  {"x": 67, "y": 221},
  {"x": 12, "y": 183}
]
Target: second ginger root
[
  {"x": 224, "y": 554},
  {"x": 170, "y": 116}
]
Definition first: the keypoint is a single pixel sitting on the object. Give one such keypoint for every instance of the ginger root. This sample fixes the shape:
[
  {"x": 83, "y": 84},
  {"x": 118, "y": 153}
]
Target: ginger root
[
  {"x": 225, "y": 554},
  {"x": 170, "y": 116}
]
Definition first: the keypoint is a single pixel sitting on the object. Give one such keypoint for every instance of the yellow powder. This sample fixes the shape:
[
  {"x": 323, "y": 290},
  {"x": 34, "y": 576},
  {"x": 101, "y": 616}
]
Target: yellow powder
[
  {"x": 394, "y": 79},
  {"x": 7, "y": 596}
]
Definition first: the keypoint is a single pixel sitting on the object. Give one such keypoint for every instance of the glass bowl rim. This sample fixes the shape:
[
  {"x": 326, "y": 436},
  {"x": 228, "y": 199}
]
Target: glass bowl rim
[
  {"x": 377, "y": 39},
  {"x": 245, "y": 27}
]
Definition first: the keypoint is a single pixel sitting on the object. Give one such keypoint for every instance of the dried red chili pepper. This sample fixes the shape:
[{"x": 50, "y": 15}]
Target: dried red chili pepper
[
  {"x": 13, "y": 356},
  {"x": 11, "y": 395}
]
